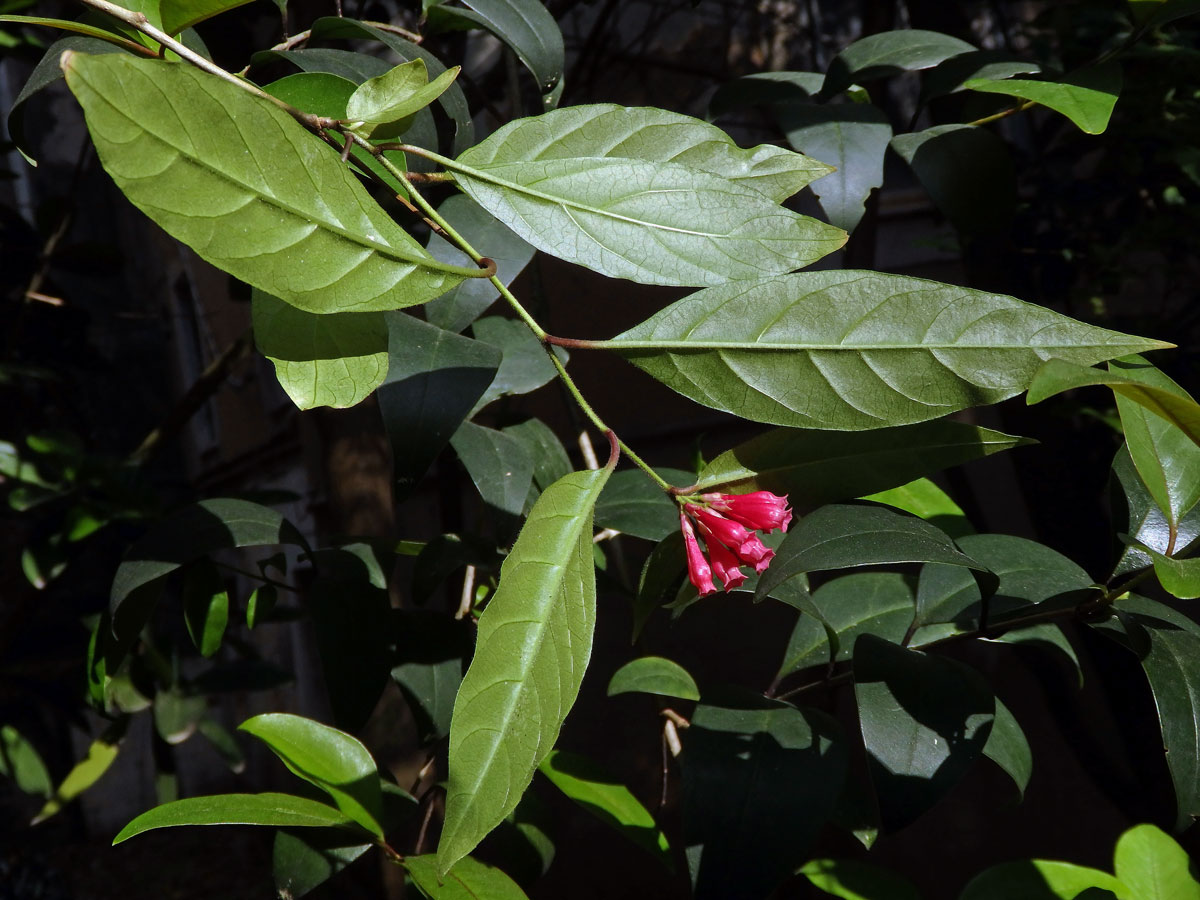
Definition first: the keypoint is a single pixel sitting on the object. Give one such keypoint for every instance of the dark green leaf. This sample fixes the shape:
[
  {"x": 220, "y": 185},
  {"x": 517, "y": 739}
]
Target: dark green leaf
[
  {"x": 653, "y": 675},
  {"x": 633, "y": 504},
  {"x": 851, "y": 137},
  {"x": 499, "y": 465},
  {"x": 468, "y": 879},
  {"x": 434, "y": 379},
  {"x": 236, "y": 809},
  {"x": 20, "y": 761},
  {"x": 1008, "y": 748},
  {"x": 593, "y": 788},
  {"x": 837, "y": 537},
  {"x": 890, "y": 53},
  {"x": 968, "y": 172},
  {"x": 852, "y": 350},
  {"x": 524, "y": 365},
  {"x": 760, "y": 778},
  {"x": 331, "y": 759},
  {"x": 456, "y": 310},
  {"x": 659, "y": 580},
  {"x": 1160, "y": 12},
  {"x": 1086, "y": 96},
  {"x": 925, "y": 719},
  {"x": 190, "y": 163},
  {"x": 205, "y": 606},
  {"x": 524, "y": 25},
  {"x": 1152, "y": 866},
  {"x": 878, "y": 603},
  {"x": 1040, "y": 879},
  {"x": 177, "y": 714},
  {"x": 950, "y": 76},
  {"x": 550, "y": 460},
  {"x": 354, "y": 67},
  {"x": 533, "y": 646},
  {"x": 430, "y": 650},
  {"x": 817, "y": 467},
  {"x": 301, "y": 860},
  {"x": 853, "y": 880},
  {"x": 180, "y": 14},
  {"x": 240, "y": 675},
  {"x": 925, "y": 499}
]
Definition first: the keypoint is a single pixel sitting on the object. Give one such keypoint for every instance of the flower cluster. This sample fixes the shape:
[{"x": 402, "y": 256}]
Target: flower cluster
[{"x": 727, "y": 523}]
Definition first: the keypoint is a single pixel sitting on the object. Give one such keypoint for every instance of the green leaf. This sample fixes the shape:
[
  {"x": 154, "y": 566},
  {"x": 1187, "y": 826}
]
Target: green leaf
[
  {"x": 397, "y": 94},
  {"x": 205, "y": 607},
  {"x": 354, "y": 67},
  {"x": 499, "y": 465},
  {"x": 952, "y": 74},
  {"x": 180, "y": 14},
  {"x": 851, "y": 137},
  {"x": 195, "y": 531},
  {"x": 456, "y": 310},
  {"x": 20, "y": 761},
  {"x": 303, "y": 859},
  {"x": 925, "y": 499},
  {"x": 817, "y": 467},
  {"x": 524, "y": 365},
  {"x": 653, "y": 675},
  {"x": 852, "y": 350},
  {"x": 331, "y": 759},
  {"x": 468, "y": 879},
  {"x": 608, "y": 214},
  {"x": 1167, "y": 460},
  {"x": 185, "y": 153},
  {"x": 764, "y": 88},
  {"x": 79, "y": 28},
  {"x": 968, "y": 172},
  {"x": 1153, "y": 866},
  {"x": 878, "y": 603},
  {"x": 550, "y": 460},
  {"x": 590, "y": 786},
  {"x": 1179, "y": 577},
  {"x": 1086, "y": 97},
  {"x": 647, "y": 134},
  {"x": 633, "y": 504},
  {"x": 659, "y": 580},
  {"x": 332, "y": 360},
  {"x": 837, "y": 537},
  {"x": 101, "y": 754},
  {"x": 852, "y": 880},
  {"x": 534, "y": 643},
  {"x": 760, "y": 778},
  {"x": 1040, "y": 879},
  {"x": 430, "y": 648},
  {"x": 260, "y": 604},
  {"x": 1137, "y": 515},
  {"x": 434, "y": 379},
  {"x": 282, "y": 810},
  {"x": 890, "y": 53},
  {"x": 1008, "y": 748},
  {"x": 524, "y": 25},
  {"x": 924, "y": 719}
]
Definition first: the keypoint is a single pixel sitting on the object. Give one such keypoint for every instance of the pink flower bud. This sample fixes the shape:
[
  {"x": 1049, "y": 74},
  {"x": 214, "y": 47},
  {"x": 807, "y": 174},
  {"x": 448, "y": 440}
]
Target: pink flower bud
[
  {"x": 699, "y": 571},
  {"x": 725, "y": 565},
  {"x": 761, "y": 510},
  {"x": 728, "y": 532},
  {"x": 755, "y": 553}
]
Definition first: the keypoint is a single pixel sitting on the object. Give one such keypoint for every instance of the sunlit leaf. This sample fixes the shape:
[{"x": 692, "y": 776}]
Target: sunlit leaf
[
  {"x": 653, "y": 675},
  {"x": 890, "y": 53},
  {"x": 397, "y": 94},
  {"x": 1086, "y": 96},
  {"x": 468, "y": 879},
  {"x": 1040, "y": 879},
  {"x": 282, "y": 810},
  {"x": 20, "y": 761},
  {"x": 1152, "y": 865},
  {"x": 925, "y": 499}
]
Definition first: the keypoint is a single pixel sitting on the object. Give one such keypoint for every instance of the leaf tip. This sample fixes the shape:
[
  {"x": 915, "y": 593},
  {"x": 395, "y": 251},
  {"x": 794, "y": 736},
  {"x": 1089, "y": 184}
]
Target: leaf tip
[{"x": 67, "y": 58}]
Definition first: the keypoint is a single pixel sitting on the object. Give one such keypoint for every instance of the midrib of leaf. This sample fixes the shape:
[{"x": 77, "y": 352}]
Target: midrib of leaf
[
  {"x": 386, "y": 250},
  {"x": 792, "y": 347}
]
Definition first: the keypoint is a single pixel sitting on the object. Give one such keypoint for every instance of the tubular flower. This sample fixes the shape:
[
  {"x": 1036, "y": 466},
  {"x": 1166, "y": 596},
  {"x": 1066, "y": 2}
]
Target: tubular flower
[
  {"x": 761, "y": 510},
  {"x": 699, "y": 571},
  {"x": 730, "y": 538}
]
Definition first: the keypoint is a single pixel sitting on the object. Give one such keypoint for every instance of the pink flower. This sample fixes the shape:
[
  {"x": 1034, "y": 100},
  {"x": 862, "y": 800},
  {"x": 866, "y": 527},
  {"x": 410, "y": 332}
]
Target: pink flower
[
  {"x": 728, "y": 532},
  {"x": 761, "y": 510},
  {"x": 699, "y": 572},
  {"x": 725, "y": 565}
]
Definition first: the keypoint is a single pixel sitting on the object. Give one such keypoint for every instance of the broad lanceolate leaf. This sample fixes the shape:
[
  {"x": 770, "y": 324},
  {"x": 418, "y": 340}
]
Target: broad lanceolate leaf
[
  {"x": 524, "y": 364},
  {"x": 535, "y": 639},
  {"x": 855, "y": 350},
  {"x": 654, "y": 675},
  {"x": 1136, "y": 514},
  {"x": 890, "y": 53},
  {"x": 852, "y": 137},
  {"x": 499, "y": 465},
  {"x": 524, "y": 25},
  {"x": 836, "y": 537},
  {"x": 1008, "y": 748},
  {"x": 1086, "y": 97},
  {"x": 760, "y": 778},
  {"x": 332, "y": 360},
  {"x": 434, "y": 379},
  {"x": 282, "y": 810},
  {"x": 589, "y": 785},
  {"x": 218, "y": 168},
  {"x": 764, "y": 88},
  {"x": 816, "y": 467},
  {"x": 397, "y": 94},
  {"x": 331, "y": 759},
  {"x": 1152, "y": 866},
  {"x": 468, "y": 879},
  {"x": 657, "y": 223},
  {"x": 852, "y": 880},
  {"x": 1040, "y": 879},
  {"x": 924, "y": 720},
  {"x": 650, "y": 135}
]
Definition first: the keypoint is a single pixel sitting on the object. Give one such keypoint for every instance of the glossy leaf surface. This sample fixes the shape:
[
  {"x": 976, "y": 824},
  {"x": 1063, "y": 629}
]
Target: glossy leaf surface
[
  {"x": 331, "y": 759},
  {"x": 1086, "y": 97},
  {"x": 524, "y": 25},
  {"x": 282, "y": 810},
  {"x": 1008, "y": 748},
  {"x": 469, "y": 879},
  {"x": 925, "y": 719},
  {"x": 653, "y": 675},
  {"x": 890, "y": 53},
  {"x": 333, "y": 360},
  {"x": 1137, "y": 515},
  {"x": 594, "y": 789},
  {"x": 535, "y": 640},
  {"x": 191, "y": 163},
  {"x": 855, "y": 350}
]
